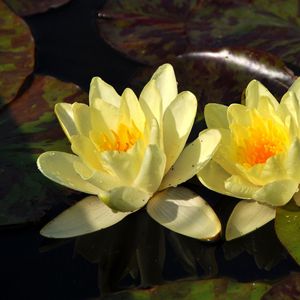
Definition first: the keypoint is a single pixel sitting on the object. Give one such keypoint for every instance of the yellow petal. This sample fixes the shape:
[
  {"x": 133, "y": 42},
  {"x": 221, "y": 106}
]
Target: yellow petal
[
  {"x": 82, "y": 118},
  {"x": 295, "y": 87},
  {"x": 87, "y": 215},
  {"x": 177, "y": 124},
  {"x": 193, "y": 158},
  {"x": 133, "y": 109},
  {"x": 216, "y": 115},
  {"x": 64, "y": 113},
  {"x": 181, "y": 210},
  {"x": 254, "y": 91},
  {"x": 151, "y": 102},
  {"x": 124, "y": 198},
  {"x": 246, "y": 217},
  {"x": 240, "y": 188},
  {"x": 99, "y": 89},
  {"x": 58, "y": 166},
  {"x": 166, "y": 83},
  {"x": 152, "y": 170},
  {"x": 276, "y": 193},
  {"x": 213, "y": 176},
  {"x": 292, "y": 159}
]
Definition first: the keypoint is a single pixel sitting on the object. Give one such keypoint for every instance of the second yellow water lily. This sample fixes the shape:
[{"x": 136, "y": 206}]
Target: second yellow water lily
[
  {"x": 259, "y": 156},
  {"x": 129, "y": 153}
]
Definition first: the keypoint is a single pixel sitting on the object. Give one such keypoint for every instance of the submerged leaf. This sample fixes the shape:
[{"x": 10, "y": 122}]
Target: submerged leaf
[
  {"x": 17, "y": 54},
  {"x": 28, "y": 127}
]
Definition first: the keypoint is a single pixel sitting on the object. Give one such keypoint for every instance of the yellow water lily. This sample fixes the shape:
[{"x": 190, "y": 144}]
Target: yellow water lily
[
  {"x": 259, "y": 156},
  {"x": 129, "y": 153}
]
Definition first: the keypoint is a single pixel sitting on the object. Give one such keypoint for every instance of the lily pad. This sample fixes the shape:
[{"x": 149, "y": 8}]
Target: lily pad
[
  {"x": 154, "y": 31},
  {"x": 29, "y": 127},
  {"x": 213, "y": 289},
  {"x": 221, "y": 76},
  {"x": 31, "y": 7},
  {"x": 287, "y": 226},
  {"x": 286, "y": 289},
  {"x": 17, "y": 54}
]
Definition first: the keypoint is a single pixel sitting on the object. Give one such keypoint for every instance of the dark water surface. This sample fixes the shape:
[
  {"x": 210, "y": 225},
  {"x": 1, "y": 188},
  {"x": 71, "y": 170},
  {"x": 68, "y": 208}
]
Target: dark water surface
[{"x": 68, "y": 47}]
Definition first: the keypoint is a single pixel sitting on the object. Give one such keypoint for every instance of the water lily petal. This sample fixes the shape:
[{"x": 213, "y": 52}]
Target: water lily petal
[
  {"x": 177, "y": 125},
  {"x": 292, "y": 158},
  {"x": 151, "y": 102},
  {"x": 87, "y": 215},
  {"x": 181, "y": 210},
  {"x": 246, "y": 217},
  {"x": 240, "y": 188},
  {"x": 255, "y": 91},
  {"x": 99, "y": 89},
  {"x": 125, "y": 198},
  {"x": 296, "y": 198},
  {"x": 82, "y": 119},
  {"x": 85, "y": 149},
  {"x": 193, "y": 158},
  {"x": 213, "y": 176},
  {"x": 58, "y": 166},
  {"x": 238, "y": 114},
  {"x": 152, "y": 170},
  {"x": 295, "y": 87},
  {"x": 64, "y": 113},
  {"x": 133, "y": 109},
  {"x": 216, "y": 115},
  {"x": 276, "y": 193},
  {"x": 166, "y": 83}
]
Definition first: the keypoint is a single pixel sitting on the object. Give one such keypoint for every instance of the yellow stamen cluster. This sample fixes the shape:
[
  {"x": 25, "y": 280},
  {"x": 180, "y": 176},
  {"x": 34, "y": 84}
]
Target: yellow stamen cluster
[
  {"x": 121, "y": 140},
  {"x": 259, "y": 141}
]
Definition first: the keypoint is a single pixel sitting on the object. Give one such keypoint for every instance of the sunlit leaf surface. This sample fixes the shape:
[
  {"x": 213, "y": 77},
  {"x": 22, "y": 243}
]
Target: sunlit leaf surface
[
  {"x": 222, "y": 75},
  {"x": 16, "y": 54},
  {"x": 31, "y": 7},
  {"x": 29, "y": 127},
  {"x": 287, "y": 226},
  {"x": 152, "y": 31}
]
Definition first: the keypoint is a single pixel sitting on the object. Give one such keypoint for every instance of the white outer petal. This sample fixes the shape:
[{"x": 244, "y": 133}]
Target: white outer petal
[
  {"x": 87, "y": 215},
  {"x": 193, "y": 158},
  {"x": 246, "y": 217},
  {"x": 181, "y": 210},
  {"x": 58, "y": 166}
]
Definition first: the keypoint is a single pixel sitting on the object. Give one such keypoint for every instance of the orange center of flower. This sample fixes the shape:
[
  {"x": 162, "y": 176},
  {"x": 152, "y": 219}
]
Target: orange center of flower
[
  {"x": 262, "y": 139},
  {"x": 121, "y": 140}
]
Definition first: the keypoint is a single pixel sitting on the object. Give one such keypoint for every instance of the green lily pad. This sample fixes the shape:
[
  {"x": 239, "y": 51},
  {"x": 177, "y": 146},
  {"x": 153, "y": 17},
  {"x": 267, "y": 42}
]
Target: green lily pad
[
  {"x": 287, "y": 226},
  {"x": 17, "y": 54},
  {"x": 154, "y": 31},
  {"x": 31, "y": 7},
  {"x": 213, "y": 289},
  {"x": 29, "y": 127},
  {"x": 221, "y": 76}
]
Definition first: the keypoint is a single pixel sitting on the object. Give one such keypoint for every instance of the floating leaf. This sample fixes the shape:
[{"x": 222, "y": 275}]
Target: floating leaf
[
  {"x": 31, "y": 7},
  {"x": 286, "y": 289},
  {"x": 29, "y": 127},
  {"x": 287, "y": 226},
  {"x": 17, "y": 54},
  {"x": 222, "y": 75},
  {"x": 214, "y": 289},
  {"x": 155, "y": 31}
]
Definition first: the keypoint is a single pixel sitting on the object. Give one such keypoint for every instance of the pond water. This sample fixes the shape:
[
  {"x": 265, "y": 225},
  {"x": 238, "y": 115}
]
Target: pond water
[{"x": 68, "y": 47}]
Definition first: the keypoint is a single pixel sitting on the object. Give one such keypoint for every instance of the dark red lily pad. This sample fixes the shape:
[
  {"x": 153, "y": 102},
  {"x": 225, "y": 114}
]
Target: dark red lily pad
[
  {"x": 31, "y": 7},
  {"x": 222, "y": 75},
  {"x": 286, "y": 289},
  {"x": 17, "y": 54},
  {"x": 28, "y": 128},
  {"x": 154, "y": 31}
]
